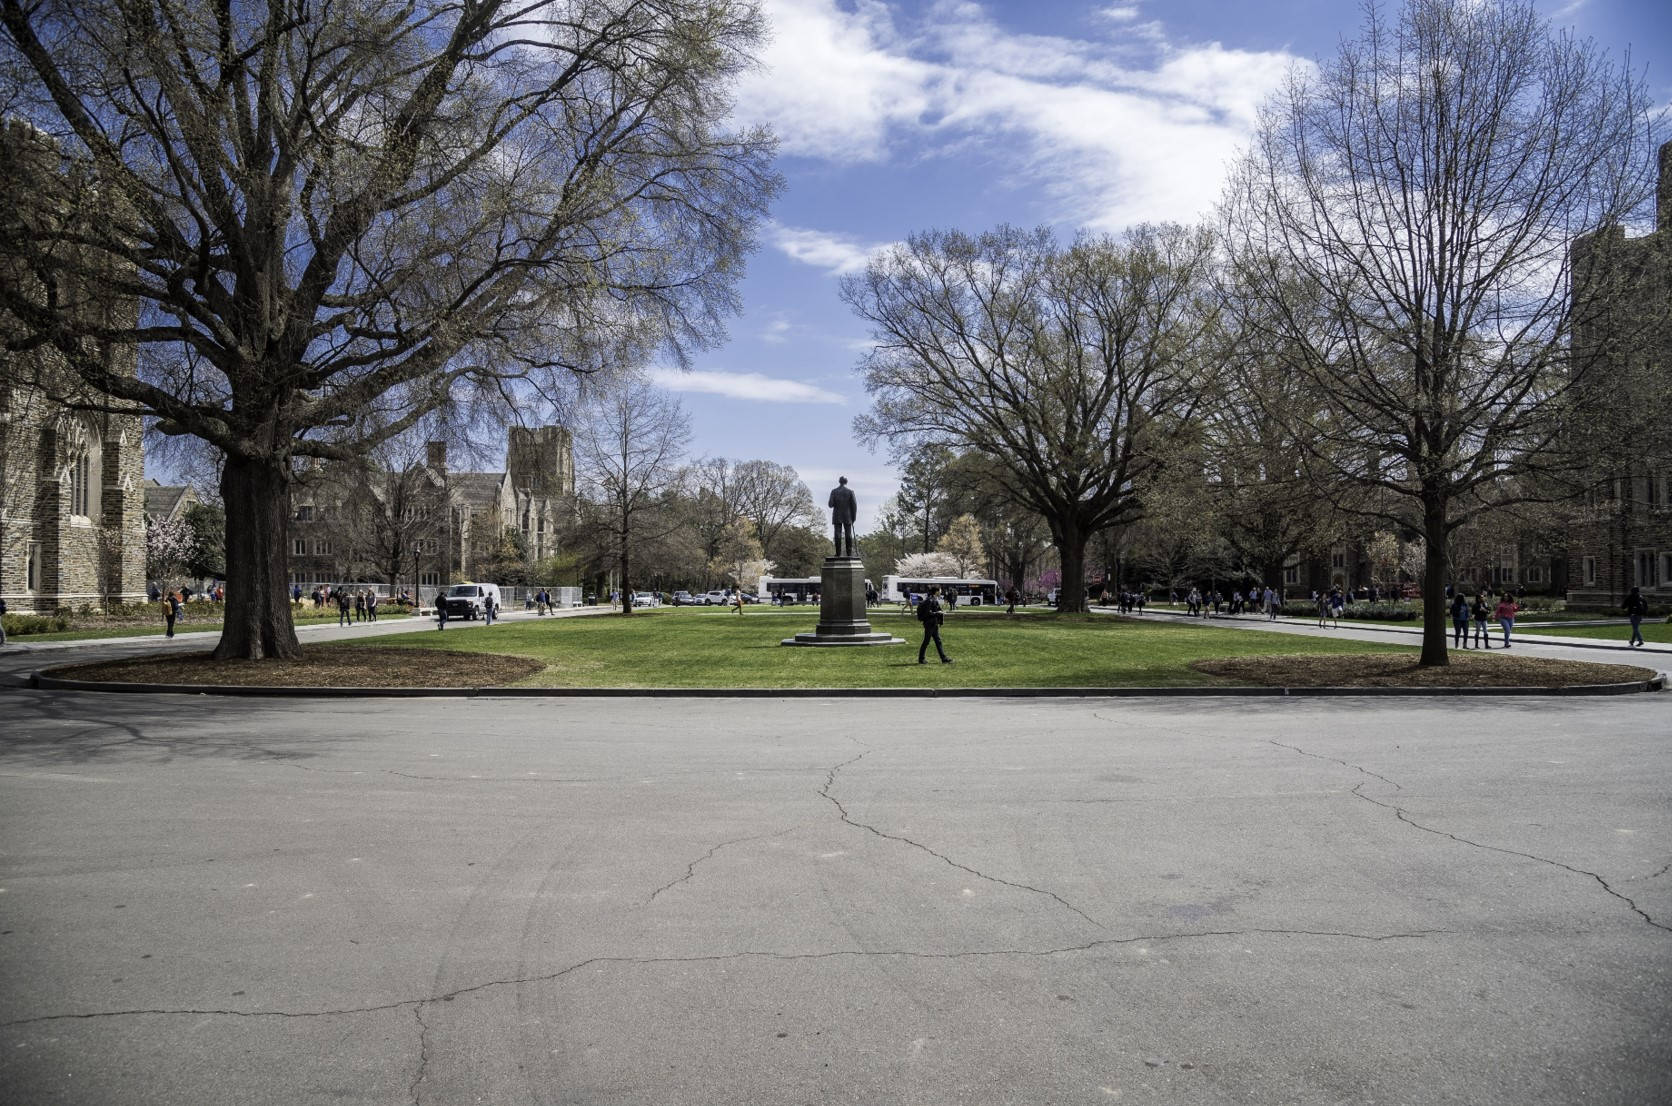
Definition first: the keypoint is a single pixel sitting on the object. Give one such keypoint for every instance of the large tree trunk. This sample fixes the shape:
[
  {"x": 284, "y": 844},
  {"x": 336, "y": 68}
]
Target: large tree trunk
[
  {"x": 1071, "y": 551},
  {"x": 257, "y": 609},
  {"x": 1433, "y": 583}
]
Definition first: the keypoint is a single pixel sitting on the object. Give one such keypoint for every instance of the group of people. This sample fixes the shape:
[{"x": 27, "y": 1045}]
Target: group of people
[
  {"x": 1198, "y": 603},
  {"x": 1480, "y": 612},
  {"x": 354, "y": 605}
]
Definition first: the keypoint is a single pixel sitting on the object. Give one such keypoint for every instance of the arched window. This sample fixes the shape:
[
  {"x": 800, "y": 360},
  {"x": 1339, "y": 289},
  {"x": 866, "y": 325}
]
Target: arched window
[{"x": 84, "y": 470}]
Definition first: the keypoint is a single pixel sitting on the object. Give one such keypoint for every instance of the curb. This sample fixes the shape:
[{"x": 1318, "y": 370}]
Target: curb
[{"x": 43, "y": 682}]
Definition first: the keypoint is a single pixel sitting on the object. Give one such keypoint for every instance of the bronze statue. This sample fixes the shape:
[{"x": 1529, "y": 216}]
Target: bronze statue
[{"x": 844, "y": 508}]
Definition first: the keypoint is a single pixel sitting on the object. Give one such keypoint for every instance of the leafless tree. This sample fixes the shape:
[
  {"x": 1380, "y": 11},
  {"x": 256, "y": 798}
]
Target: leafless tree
[
  {"x": 629, "y": 450},
  {"x": 772, "y": 497},
  {"x": 1069, "y": 367},
  {"x": 337, "y": 216},
  {"x": 1405, "y": 215}
]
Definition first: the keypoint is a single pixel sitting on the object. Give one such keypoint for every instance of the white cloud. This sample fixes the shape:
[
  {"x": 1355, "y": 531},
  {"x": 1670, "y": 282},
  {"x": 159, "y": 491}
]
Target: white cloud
[
  {"x": 835, "y": 253},
  {"x": 1110, "y": 132},
  {"x": 777, "y": 331},
  {"x": 748, "y": 386}
]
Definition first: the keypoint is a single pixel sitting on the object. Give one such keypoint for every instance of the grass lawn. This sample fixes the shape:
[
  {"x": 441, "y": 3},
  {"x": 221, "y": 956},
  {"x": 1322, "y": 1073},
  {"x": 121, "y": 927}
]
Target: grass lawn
[
  {"x": 1660, "y": 632},
  {"x": 718, "y": 649}
]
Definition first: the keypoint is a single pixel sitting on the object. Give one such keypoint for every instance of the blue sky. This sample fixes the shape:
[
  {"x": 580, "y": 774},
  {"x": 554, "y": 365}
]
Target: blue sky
[{"x": 898, "y": 117}]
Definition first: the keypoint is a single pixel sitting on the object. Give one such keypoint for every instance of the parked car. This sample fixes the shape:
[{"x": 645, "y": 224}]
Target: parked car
[
  {"x": 684, "y": 599},
  {"x": 467, "y": 600},
  {"x": 716, "y": 598},
  {"x": 647, "y": 599}
]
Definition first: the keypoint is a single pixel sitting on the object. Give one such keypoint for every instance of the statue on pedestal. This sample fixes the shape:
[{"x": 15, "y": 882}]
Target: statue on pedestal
[{"x": 844, "y": 509}]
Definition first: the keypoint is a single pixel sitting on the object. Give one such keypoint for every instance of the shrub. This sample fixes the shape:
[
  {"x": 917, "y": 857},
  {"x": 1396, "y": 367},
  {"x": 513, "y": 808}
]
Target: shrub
[{"x": 21, "y": 625}]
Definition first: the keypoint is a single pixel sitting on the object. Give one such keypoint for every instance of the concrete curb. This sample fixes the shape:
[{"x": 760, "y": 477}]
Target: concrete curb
[{"x": 44, "y": 682}]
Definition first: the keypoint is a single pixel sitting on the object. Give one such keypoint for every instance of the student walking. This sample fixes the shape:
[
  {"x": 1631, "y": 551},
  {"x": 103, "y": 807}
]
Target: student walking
[
  {"x": 371, "y": 606},
  {"x": 1459, "y": 621},
  {"x": 488, "y": 611},
  {"x": 1636, "y": 608},
  {"x": 342, "y": 608},
  {"x": 929, "y": 613},
  {"x": 1012, "y": 596},
  {"x": 1505, "y": 614},
  {"x": 171, "y": 612},
  {"x": 1482, "y": 611},
  {"x": 359, "y": 606}
]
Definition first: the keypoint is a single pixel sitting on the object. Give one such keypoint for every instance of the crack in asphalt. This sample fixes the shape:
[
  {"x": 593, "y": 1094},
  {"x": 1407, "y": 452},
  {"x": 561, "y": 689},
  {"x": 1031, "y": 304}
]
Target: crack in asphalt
[
  {"x": 842, "y": 811},
  {"x": 1401, "y": 814},
  {"x": 716, "y": 958},
  {"x": 423, "y": 1053},
  {"x": 691, "y": 868}
]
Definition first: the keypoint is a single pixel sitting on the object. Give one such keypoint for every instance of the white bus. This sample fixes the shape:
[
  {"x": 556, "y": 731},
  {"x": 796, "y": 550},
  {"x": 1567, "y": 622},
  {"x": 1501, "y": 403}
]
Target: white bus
[
  {"x": 791, "y": 589},
  {"x": 975, "y": 593}
]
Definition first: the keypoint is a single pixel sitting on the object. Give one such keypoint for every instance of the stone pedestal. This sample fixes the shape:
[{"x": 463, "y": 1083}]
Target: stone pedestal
[{"x": 843, "y": 619}]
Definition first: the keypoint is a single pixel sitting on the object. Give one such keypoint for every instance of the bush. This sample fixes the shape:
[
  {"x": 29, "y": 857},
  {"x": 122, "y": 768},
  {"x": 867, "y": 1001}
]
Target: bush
[
  {"x": 21, "y": 625},
  {"x": 1385, "y": 611}
]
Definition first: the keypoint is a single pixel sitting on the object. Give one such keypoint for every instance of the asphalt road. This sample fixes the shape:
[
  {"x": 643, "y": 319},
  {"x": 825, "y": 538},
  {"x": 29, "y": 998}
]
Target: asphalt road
[{"x": 218, "y": 901}]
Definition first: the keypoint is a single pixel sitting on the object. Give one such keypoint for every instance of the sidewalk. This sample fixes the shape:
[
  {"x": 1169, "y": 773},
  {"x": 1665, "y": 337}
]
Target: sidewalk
[
  {"x": 318, "y": 632},
  {"x": 1537, "y": 644}
]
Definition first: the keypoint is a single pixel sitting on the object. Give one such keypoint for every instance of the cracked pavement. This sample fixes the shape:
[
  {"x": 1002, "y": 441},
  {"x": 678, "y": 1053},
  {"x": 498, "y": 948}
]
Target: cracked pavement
[{"x": 942, "y": 901}]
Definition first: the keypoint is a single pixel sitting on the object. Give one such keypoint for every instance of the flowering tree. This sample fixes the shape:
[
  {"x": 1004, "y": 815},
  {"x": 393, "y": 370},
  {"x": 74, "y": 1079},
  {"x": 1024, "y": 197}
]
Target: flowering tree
[
  {"x": 920, "y": 565},
  {"x": 168, "y": 546},
  {"x": 962, "y": 543}
]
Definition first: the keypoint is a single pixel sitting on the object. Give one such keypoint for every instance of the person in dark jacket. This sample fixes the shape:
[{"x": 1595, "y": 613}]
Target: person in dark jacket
[
  {"x": 171, "y": 611},
  {"x": 1482, "y": 610},
  {"x": 1636, "y": 608},
  {"x": 929, "y": 612},
  {"x": 1459, "y": 621}
]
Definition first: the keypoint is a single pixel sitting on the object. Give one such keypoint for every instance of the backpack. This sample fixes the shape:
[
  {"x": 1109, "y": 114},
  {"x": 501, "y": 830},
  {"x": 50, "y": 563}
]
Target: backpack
[{"x": 923, "y": 610}]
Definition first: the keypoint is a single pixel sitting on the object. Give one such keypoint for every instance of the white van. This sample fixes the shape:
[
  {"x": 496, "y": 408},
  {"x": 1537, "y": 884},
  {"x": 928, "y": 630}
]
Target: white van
[{"x": 467, "y": 600}]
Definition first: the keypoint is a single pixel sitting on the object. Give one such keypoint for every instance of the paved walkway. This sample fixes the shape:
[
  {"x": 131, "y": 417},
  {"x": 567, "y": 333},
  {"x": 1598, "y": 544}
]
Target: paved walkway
[
  {"x": 196, "y": 639},
  {"x": 1655, "y": 655}
]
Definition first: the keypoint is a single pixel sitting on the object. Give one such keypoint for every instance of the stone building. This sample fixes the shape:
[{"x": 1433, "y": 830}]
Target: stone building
[
  {"x": 72, "y": 501},
  {"x": 1622, "y": 537},
  {"x": 426, "y": 524}
]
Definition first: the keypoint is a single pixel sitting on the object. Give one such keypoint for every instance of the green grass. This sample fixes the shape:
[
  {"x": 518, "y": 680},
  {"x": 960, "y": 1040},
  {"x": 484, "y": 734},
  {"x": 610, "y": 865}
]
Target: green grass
[
  {"x": 1659, "y": 632},
  {"x": 718, "y": 649},
  {"x": 185, "y": 626}
]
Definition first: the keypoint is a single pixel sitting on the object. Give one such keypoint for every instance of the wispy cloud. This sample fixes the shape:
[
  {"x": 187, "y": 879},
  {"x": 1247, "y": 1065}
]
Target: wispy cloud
[
  {"x": 745, "y": 386},
  {"x": 777, "y": 330},
  {"x": 834, "y": 253},
  {"x": 1111, "y": 130}
]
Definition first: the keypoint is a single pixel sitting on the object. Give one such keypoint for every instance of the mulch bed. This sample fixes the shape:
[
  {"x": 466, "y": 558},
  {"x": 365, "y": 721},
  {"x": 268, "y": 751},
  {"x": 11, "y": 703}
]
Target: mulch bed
[
  {"x": 1398, "y": 670},
  {"x": 358, "y": 667}
]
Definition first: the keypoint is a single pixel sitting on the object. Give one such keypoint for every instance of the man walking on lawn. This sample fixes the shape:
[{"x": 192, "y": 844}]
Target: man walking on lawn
[{"x": 929, "y": 612}]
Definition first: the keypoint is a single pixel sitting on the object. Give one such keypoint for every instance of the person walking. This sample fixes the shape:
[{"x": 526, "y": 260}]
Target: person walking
[
  {"x": 371, "y": 606},
  {"x": 1274, "y": 604},
  {"x": 2, "y": 620},
  {"x": 171, "y": 612},
  {"x": 440, "y": 609},
  {"x": 488, "y": 611},
  {"x": 342, "y": 608},
  {"x": 1505, "y": 614},
  {"x": 1636, "y": 608},
  {"x": 1012, "y": 596},
  {"x": 1481, "y": 611},
  {"x": 360, "y": 606},
  {"x": 739, "y": 600},
  {"x": 930, "y": 614},
  {"x": 1459, "y": 621}
]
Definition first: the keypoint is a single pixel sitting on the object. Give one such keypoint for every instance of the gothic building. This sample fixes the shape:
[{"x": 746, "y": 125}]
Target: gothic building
[
  {"x": 1623, "y": 536},
  {"x": 426, "y": 524},
  {"x": 72, "y": 526}
]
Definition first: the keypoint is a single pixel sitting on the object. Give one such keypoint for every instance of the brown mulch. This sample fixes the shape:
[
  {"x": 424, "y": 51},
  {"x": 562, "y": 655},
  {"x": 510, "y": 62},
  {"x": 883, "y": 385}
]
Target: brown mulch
[
  {"x": 359, "y": 667},
  {"x": 1401, "y": 670}
]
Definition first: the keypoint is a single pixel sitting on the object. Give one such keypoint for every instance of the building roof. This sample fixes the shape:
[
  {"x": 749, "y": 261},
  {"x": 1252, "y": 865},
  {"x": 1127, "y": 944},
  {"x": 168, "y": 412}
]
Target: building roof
[{"x": 163, "y": 502}]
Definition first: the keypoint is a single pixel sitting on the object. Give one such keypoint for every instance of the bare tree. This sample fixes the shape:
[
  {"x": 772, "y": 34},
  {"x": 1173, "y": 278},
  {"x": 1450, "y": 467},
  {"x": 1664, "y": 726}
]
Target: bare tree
[
  {"x": 337, "y": 218},
  {"x": 628, "y": 455},
  {"x": 1068, "y": 367},
  {"x": 1405, "y": 216},
  {"x": 772, "y": 497},
  {"x": 716, "y": 506}
]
